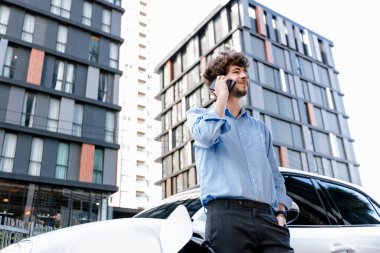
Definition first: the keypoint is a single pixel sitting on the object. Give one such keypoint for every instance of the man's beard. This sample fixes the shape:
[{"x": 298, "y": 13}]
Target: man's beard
[{"x": 238, "y": 93}]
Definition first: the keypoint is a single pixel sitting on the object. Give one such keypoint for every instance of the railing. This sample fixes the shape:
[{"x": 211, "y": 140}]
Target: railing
[{"x": 13, "y": 230}]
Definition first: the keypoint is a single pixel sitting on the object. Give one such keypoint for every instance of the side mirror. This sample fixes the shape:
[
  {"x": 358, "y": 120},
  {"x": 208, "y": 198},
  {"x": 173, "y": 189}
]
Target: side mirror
[{"x": 293, "y": 213}]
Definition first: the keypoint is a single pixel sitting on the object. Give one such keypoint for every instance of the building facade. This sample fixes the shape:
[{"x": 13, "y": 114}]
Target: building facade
[
  {"x": 294, "y": 90},
  {"x": 59, "y": 81},
  {"x": 137, "y": 170}
]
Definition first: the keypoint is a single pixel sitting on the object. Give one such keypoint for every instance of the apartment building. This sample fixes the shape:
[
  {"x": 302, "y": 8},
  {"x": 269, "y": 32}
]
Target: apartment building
[
  {"x": 137, "y": 170},
  {"x": 294, "y": 90},
  {"x": 59, "y": 84}
]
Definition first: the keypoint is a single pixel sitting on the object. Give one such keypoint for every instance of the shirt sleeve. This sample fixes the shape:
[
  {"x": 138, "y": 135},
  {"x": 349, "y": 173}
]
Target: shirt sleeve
[
  {"x": 206, "y": 126},
  {"x": 279, "y": 181}
]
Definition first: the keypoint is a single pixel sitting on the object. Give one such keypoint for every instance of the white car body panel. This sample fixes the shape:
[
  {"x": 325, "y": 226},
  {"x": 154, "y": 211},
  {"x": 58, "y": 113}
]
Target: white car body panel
[{"x": 143, "y": 235}]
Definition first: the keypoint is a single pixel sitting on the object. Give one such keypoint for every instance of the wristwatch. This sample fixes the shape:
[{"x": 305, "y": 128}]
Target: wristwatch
[{"x": 281, "y": 212}]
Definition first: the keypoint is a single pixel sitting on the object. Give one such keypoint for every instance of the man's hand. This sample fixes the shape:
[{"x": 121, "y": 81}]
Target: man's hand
[{"x": 281, "y": 220}]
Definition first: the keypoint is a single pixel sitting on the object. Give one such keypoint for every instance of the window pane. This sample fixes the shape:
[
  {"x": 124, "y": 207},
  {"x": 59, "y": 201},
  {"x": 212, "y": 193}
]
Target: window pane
[
  {"x": 62, "y": 161},
  {"x": 302, "y": 191},
  {"x": 87, "y": 13},
  {"x": 28, "y": 28},
  {"x": 354, "y": 206},
  {"x": 8, "y": 152},
  {"x": 4, "y": 17},
  {"x": 36, "y": 157}
]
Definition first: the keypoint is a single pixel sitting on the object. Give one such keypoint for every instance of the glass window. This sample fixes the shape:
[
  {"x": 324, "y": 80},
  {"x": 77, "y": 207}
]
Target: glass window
[
  {"x": 286, "y": 106},
  {"x": 321, "y": 142},
  {"x": 341, "y": 171},
  {"x": 297, "y": 136},
  {"x": 106, "y": 21},
  {"x": 28, "y": 28},
  {"x": 103, "y": 85},
  {"x": 8, "y": 152},
  {"x": 77, "y": 121},
  {"x": 4, "y": 17},
  {"x": 98, "y": 166},
  {"x": 354, "y": 207},
  {"x": 306, "y": 68},
  {"x": 61, "y": 39},
  {"x": 10, "y": 62},
  {"x": 62, "y": 161},
  {"x": 294, "y": 159},
  {"x": 270, "y": 101},
  {"x": 61, "y": 8},
  {"x": 302, "y": 191},
  {"x": 110, "y": 127},
  {"x": 333, "y": 123},
  {"x": 52, "y": 124},
  {"x": 28, "y": 109},
  {"x": 272, "y": 78},
  {"x": 204, "y": 41},
  {"x": 279, "y": 128},
  {"x": 342, "y": 150},
  {"x": 87, "y": 13},
  {"x": 218, "y": 28},
  {"x": 319, "y": 95},
  {"x": 324, "y": 74},
  {"x": 94, "y": 49},
  {"x": 114, "y": 55},
  {"x": 258, "y": 47},
  {"x": 193, "y": 100},
  {"x": 279, "y": 57},
  {"x": 193, "y": 77},
  {"x": 35, "y": 160},
  {"x": 318, "y": 117},
  {"x": 64, "y": 76}
]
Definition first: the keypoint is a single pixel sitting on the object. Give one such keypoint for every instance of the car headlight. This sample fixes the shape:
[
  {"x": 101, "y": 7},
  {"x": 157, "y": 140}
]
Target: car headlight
[{"x": 20, "y": 247}]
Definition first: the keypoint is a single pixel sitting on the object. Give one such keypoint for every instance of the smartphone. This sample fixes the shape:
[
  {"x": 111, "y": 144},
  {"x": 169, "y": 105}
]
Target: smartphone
[{"x": 230, "y": 84}]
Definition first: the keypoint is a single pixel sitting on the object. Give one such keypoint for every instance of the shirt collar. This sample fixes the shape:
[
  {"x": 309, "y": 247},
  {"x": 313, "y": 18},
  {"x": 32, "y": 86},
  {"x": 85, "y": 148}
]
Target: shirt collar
[{"x": 243, "y": 113}]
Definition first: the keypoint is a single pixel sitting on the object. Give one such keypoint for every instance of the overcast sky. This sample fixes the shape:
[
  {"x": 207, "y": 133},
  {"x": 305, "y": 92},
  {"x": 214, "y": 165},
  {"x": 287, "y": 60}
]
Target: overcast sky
[{"x": 353, "y": 28}]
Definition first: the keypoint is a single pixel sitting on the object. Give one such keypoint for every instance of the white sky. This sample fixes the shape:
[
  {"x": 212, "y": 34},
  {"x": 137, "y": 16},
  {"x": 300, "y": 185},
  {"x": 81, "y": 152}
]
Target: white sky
[{"x": 353, "y": 28}]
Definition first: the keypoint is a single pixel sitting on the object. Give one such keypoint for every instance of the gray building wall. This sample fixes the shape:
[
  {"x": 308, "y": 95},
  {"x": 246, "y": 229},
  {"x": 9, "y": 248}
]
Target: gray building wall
[
  {"x": 4, "y": 95},
  {"x": 41, "y": 111},
  {"x": 49, "y": 158},
  {"x": 74, "y": 161},
  {"x": 66, "y": 115},
  {"x": 22, "y": 154},
  {"x": 110, "y": 163},
  {"x": 15, "y": 104}
]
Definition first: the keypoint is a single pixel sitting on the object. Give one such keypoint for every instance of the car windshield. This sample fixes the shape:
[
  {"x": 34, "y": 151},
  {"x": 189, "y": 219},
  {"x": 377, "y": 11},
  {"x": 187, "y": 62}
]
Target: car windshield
[{"x": 164, "y": 210}]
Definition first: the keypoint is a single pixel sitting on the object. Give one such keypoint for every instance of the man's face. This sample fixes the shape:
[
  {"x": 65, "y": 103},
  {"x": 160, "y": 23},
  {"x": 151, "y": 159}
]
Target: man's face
[{"x": 239, "y": 75}]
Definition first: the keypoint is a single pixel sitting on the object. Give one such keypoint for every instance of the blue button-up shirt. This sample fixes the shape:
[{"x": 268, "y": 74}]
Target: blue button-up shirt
[{"x": 235, "y": 158}]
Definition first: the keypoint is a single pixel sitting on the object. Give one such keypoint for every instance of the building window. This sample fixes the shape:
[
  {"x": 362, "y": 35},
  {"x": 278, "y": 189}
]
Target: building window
[
  {"x": 115, "y": 2},
  {"x": 114, "y": 55},
  {"x": 62, "y": 161},
  {"x": 110, "y": 127},
  {"x": 77, "y": 121},
  {"x": 103, "y": 83},
  {"x": 4, "y": 17},
  {"x": 61, "y": 8},
  {"x": 87, "y": 13},
  {"x": 64, "y": 76},
  {"x": 10, "y": 62},
  {"x": 35, "y": 160},
  {"x": 8, "y": 152},
  {"x": 98, "y": 166},
  {"x": 106, "y": 21},
  {"x": 61, "y": 39},
  {"x": 94, "y": 49},
  {"x": 28, "y": 109},
  {"x": 52, "y": 124},
  {"x": 28, "y": 28}
]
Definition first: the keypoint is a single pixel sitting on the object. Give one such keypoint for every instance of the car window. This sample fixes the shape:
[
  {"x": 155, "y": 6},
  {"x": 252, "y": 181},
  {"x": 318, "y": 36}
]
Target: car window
[
  {"x": 302, "y": 191},
  {"x": 354, "y": 207},
  {"x": 163, "y": 211}
]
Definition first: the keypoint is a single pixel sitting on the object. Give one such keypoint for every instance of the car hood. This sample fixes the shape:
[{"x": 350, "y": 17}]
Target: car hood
[{"x": 140, "y": 235}]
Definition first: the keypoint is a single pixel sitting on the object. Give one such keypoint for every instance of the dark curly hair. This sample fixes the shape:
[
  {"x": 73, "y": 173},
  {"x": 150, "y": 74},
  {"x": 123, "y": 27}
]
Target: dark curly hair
[{"x": 219, "y": 65}]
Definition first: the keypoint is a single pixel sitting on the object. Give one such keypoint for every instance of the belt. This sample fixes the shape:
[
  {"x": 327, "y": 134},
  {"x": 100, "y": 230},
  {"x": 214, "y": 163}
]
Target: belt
[{"x": 247, "y": 203}]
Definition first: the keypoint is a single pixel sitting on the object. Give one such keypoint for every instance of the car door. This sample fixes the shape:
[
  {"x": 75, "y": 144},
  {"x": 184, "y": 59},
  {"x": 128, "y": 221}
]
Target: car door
[
  {"x": 359, "y": 214},
  {"x": 315, "y": 230}
]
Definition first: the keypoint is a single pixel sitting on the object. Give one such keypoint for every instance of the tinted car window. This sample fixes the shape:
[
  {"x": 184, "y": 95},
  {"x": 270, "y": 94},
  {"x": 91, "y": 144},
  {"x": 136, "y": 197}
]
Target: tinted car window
[
  {"x": 302, "y": 191},
  {"x": 163, "y": 211},
  {"x": 354, "y": 207}
]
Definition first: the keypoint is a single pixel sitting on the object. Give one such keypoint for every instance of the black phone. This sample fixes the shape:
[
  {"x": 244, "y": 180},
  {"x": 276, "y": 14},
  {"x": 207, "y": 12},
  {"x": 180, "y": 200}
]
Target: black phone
[{"x": 230, "y": 84}]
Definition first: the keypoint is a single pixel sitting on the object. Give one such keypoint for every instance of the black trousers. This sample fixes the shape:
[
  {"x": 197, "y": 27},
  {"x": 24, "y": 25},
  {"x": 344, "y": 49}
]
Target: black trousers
[{"x": 245, "y": 226}]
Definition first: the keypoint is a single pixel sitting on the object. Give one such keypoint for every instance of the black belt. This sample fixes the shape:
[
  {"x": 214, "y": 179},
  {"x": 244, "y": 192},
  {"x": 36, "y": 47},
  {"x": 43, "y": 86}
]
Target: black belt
[{"x": 241, "y": 203}]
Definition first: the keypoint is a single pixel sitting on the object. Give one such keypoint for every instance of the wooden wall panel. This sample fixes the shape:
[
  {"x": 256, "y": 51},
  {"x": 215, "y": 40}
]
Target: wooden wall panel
[
  {"x": 311, "y": 115},
  {"x": 284, "y": 162},
  {"x": 86, "y": 170},
  {"x": 268, "y": 51},
  {"x": 168, "y": 187},
  {"x": 261, "y": 28},
  {"x": 36, "y": 63}
]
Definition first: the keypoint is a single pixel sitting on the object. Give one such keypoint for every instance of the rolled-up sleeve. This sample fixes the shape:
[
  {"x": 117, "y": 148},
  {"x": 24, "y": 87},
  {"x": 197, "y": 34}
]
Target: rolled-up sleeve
[
  {"x": 206, "y": 126},
  {"x": 279, "y": 181}
]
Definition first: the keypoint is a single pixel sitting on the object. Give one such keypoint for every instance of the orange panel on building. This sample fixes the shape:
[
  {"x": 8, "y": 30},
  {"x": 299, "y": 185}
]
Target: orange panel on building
[
  {"x": 36, "y": 63},
  {"x": 268, "y": 51},
  {"x": 168, "y": 187},
  {"x": 87, "y": 163},
  {"x": 284, "y": 162},
  {"x": 261, "y": 27},
  {"x": 168, "y": 72},
  {"x": 311, "y": 115}
]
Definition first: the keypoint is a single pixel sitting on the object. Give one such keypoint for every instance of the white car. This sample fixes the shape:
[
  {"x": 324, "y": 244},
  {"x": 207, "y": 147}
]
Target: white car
[
  {"x": 334, "y": 216},
  {"x": 119, "y": 235}
]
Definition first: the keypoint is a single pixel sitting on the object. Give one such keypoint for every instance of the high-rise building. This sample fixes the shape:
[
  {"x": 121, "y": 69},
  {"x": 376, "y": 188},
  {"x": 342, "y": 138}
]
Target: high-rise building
[
  {"x": 59, "y": 84},
  {"x": 137, "y": 170},
  {"x": 294, "y": 90}
]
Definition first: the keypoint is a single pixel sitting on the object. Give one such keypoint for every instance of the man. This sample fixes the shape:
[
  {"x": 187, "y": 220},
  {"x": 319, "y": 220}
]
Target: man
[{"x": 241, "y": 186}]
